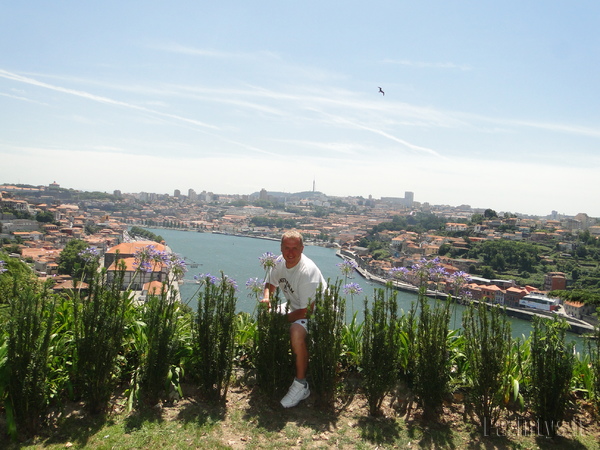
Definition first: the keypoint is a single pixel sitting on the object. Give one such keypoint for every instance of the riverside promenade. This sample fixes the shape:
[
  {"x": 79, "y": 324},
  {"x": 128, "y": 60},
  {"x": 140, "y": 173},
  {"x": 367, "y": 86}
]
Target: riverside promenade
[{"x": 575, "y": 325}]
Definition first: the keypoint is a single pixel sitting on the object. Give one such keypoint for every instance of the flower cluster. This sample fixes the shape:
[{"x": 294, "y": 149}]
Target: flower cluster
[
  {"x": 230, "y": 281},
  {"x": 459, "y": 280},
  {"x": 206, "y": 278},
  {"x": 90, "y": 254},
  {"x": 267, "y": 260},
  {"x": 148, "y": 257},
  {"x": 347, "y": 267},
  {"x": 176, "y": 265},
  {"x": 422, "y": 271},
  {"x": 352, "y": 289},
  {"x": 399, "y": 273},
  {"x": 3, "y": 267},
  {"x": 256, "y": 287}
]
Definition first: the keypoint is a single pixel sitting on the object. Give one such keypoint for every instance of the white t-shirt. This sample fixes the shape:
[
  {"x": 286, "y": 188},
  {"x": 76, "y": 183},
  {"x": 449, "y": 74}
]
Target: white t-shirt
[{"x": 298, "y": 284}]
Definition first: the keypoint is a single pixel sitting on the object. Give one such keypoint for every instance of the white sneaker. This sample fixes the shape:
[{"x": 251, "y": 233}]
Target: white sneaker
[{"x": 296, "y": 393}]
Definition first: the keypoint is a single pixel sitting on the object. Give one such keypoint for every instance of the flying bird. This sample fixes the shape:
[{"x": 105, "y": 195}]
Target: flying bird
[{"x": 381, "y": 90}]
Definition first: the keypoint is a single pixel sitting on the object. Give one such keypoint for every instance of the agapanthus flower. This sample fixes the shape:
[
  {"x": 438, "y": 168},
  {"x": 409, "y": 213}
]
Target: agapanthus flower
[
  {"x": 143, "y": 266},
  {"x": 256, "y": 286},
  {"x": 3, "y": 267},
  {"x": 437, "y": 273},
  {"x": 399, "y": 273},
  {"x": 206, "y": 278},
  {"x": 347, "y": 267},
  {"x": 428, "y": 269},
  {"x": 229, "y": 281},
  {"x": 267, "y": 260},
  {"x": 147, "y": 258},
  {"x": 176, "y": 264},
  {"x": 89, "y": 254},
  {"x": 352, "y": 289},
  {"x": 459, "y": 280}
]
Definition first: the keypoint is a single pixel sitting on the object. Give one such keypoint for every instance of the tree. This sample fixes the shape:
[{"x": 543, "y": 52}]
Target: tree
[
  {"x": 490, "y": 214},
  {"x": 69, "y": 261},
  {"x": 476, "y": 219},
  {"x": 45, "y": 217},
  {"x": 487, "y": 272}
]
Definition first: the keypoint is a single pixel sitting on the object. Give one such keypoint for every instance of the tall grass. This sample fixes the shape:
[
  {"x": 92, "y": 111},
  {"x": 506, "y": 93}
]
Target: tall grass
[
  {"x": 551, "y": 372},
  {"x": 487, "y": 346},
  {"x": 325, "y": 329},
  {"x": 352, "y": 336},
  {"x": 214, "y": 333},
  {"x": 29, "y": 330},
  {"x": 245, "y": 341},
  {"x": 99, "y": 328},
  {"x": 380, "y": 347}
]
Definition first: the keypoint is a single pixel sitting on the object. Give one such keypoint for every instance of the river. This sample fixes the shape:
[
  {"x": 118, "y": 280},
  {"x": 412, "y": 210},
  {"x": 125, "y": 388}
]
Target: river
[{"x": 238, "y": 258}]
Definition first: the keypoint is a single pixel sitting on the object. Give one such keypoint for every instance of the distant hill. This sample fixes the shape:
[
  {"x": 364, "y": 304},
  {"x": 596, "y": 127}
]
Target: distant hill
[{"x": 305, "y": 194}]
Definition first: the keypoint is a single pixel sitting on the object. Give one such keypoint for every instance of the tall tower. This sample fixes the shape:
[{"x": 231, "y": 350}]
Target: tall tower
[
  {"x": 314, "y": 185},
  {"x": 409, "y": 198}
]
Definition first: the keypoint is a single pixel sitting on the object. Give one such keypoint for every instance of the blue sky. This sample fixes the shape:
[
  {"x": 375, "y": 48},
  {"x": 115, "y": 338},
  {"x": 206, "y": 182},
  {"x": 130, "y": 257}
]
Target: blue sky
[{"x": 491, "y": 104}]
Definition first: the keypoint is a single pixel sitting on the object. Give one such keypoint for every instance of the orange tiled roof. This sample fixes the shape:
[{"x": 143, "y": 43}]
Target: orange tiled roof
[
  {"x": 130, "y": 267},
  {"x": 129, "y": 248}
]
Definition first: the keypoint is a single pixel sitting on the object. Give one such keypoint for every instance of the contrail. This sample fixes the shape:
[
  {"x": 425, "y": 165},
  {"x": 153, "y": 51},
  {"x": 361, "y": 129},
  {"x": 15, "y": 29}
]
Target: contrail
[{"x": 100, "y": 99}]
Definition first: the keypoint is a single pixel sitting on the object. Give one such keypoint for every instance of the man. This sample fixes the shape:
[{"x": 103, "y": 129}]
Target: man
[{"x": 298, "y": 277}]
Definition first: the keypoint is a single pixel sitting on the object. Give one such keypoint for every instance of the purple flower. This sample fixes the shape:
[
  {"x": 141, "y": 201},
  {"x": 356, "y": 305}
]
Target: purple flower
[
  {"x": 143, "y": 266},
  {"x": 267, "y": 260},
  {"x": 256, "y": 286},
  {"x": 206, "y": 278},
  {"x": 229, "y": 281},
  {"x": 437, "y": 273},
  {"x": 176, "y": 264},
  {"x": 347, "y": 267},
  {"x": 352, "y": 289},
  {"x": 459, "y": 280},
  {"x": 90, "y": 254},
  {"x": 399, "y": 272},
  {"x": 3, "y": 267}
]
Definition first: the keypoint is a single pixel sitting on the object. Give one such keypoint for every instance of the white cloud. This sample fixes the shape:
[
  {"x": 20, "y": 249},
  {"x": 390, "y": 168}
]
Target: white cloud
[{"x": 428, "y": 65}]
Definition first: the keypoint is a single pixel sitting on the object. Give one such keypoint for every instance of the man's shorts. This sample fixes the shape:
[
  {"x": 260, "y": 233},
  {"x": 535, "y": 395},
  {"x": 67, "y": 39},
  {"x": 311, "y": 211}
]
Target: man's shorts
[{"x": 303, "y": 322}]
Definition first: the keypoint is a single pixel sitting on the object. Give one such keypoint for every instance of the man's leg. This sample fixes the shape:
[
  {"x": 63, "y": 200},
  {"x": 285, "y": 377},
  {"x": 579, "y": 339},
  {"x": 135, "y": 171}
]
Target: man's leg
[
  {"x": 299, "y": 389},
  {"x": 299, "y": 349}
]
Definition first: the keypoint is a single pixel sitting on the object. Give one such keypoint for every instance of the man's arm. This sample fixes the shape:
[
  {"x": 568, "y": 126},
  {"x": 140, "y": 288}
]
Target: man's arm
[{"x": 268, "y": 293}]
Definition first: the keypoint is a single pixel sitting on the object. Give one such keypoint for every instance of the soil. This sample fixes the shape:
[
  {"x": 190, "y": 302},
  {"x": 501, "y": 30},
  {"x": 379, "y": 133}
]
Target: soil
[
  {"x": 348, "y": 422},
  {"x": 249, "y": 419}
]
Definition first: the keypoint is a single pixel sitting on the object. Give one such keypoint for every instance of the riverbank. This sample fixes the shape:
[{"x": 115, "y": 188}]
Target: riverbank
[{"x": 575, "y": 325}]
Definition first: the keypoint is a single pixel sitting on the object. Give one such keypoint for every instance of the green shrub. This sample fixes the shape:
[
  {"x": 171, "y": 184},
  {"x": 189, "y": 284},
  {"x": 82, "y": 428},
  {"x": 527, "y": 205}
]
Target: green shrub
[
  {"x": 594, "y": 352},
  {"x": 551, "y": 370},
  {"x": 29, "y": 330},
  {"x": 160, "y": 314},
  {"x": 487, "y": 343},
  {"x": 213, "y": 340},
  {"x": 273, "y": 352},
  {"x": 99, "y": 329},
  {"x": 325, "y": 329},
  {"x": 380, "y": 347},
  {"x": 432, "y": 365}
]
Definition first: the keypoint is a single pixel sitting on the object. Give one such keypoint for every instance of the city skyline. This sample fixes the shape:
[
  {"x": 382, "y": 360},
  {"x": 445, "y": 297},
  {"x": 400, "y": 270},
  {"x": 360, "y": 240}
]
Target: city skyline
[
  {"x": 491, "y": 105},
  {"x": 210, "y": 196}
]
